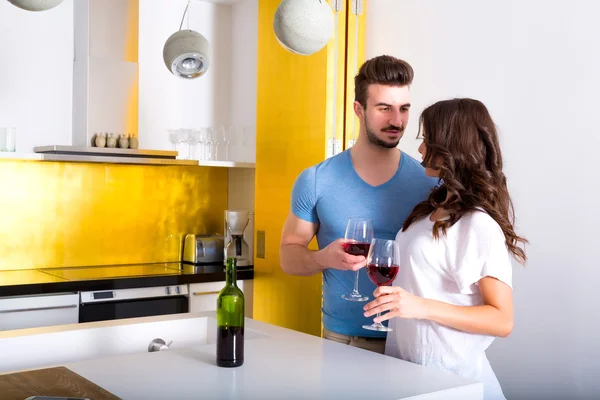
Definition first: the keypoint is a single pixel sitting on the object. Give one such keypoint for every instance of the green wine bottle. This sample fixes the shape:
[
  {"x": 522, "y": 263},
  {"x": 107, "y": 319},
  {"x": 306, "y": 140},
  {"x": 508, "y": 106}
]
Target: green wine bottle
[{"x": 230, "y": 320}]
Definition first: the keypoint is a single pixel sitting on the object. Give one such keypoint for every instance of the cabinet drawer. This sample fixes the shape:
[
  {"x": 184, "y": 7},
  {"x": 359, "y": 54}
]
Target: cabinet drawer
[
  {"x": 38, "y": 311},
  {"x": 203, "y": 296}
]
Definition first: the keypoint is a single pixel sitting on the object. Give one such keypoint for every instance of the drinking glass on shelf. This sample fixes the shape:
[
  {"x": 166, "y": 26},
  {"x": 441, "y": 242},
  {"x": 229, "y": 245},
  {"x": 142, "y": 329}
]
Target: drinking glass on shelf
[
  {"x": 210, "y": 143},
  {"x": 383, "y": 263},
  {"x": 8, "y": 139},
  {"x": 174, "y": 138},
  {"x": 224, "y": 138},
  {"x": 202, "y": 144},
  {"x": 182, "y": 148},
  {"x": 218, "y": 140},
  {"x": 357, "y": 240},
  {"x": 191, "y": 136}
]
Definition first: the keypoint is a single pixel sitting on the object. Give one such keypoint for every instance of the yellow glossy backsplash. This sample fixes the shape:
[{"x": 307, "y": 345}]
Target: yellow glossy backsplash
[{"x": 56, "y": 214}]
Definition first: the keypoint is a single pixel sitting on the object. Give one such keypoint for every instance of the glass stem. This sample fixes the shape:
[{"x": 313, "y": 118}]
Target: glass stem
[{"x": 356, "y": 282}]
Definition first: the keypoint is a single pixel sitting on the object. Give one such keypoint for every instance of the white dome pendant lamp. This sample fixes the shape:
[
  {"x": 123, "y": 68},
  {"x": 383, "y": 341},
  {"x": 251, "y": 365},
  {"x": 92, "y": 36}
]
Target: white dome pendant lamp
[
  {"x": 187, "y": 53},
  {"x": 35, "y": 5},
  {"x": 303, "y": 26}
]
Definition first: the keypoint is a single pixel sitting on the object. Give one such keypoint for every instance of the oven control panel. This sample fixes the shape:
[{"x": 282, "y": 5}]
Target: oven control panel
[
  {"x": 172, "y": 289},
  {"x": 132, "y": 294}
]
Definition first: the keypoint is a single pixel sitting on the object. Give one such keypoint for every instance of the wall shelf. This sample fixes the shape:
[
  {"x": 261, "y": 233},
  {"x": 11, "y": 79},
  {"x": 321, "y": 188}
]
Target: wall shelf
[
  {"x": 121, "y": 160},
  {"x": 226, "y": 164}
]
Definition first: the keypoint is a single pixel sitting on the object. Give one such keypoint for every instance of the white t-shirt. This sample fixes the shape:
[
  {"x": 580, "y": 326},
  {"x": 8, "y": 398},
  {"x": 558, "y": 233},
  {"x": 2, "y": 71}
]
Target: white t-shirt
[{"x": 448, "y": 270}]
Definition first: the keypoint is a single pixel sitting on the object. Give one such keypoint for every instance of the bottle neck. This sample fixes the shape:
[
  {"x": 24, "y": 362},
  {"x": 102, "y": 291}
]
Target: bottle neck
[{"x": 230, "y": 272}]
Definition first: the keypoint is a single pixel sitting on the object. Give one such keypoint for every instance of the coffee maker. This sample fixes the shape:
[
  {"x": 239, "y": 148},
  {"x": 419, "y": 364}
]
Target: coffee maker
[{"x": 239, "y": 236}]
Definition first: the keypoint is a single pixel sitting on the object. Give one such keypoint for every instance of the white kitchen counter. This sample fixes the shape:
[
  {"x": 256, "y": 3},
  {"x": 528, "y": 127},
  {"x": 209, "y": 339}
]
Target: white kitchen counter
[{"x": 279, "y": 363}]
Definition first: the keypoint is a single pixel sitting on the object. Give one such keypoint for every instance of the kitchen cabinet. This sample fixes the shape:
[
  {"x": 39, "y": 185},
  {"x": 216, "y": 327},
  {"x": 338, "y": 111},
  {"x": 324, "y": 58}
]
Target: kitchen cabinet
[
  {"x": 203, "y": 296},
  {"x": 304, "y": 115},
  {"x": 38, "y": 311}
]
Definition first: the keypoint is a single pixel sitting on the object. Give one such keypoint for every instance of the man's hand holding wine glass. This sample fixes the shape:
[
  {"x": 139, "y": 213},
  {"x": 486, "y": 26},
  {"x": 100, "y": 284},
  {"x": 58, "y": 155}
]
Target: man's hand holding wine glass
[{"x": 335, "y": 256}]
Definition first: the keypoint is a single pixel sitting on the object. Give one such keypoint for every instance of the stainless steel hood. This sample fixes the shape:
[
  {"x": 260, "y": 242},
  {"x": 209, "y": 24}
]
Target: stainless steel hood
[{"x": 110, "y": 155}]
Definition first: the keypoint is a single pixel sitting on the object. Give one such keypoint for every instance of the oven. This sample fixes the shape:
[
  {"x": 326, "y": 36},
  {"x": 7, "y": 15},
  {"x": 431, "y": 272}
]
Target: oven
[{"x": 105, "y": 305}]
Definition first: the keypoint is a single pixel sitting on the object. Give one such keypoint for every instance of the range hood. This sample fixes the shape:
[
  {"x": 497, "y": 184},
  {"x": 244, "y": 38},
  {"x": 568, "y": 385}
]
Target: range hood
[
  {"x": 110, "y": 155},
  {"x": 105, "y": 87}
]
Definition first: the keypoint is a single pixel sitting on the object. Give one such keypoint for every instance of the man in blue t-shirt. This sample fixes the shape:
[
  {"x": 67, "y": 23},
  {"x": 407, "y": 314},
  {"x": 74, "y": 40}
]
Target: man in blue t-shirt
[{"x": 372, "y": 180}]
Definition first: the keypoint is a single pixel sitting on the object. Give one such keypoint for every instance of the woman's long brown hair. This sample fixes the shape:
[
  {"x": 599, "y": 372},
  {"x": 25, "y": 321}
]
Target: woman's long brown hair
[{"x": 462, "y": 143}]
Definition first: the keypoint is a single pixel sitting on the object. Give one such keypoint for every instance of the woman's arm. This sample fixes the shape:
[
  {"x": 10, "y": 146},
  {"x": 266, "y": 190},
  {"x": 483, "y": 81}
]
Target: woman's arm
[{"x": 494, "y": 317}]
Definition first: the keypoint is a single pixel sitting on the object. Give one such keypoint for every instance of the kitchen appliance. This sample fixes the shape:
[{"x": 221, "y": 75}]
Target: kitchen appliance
[
  {"x": 105, "y": 305},
  {"x": 203, "y": 249},
  {"x": 239, "y": 236}
]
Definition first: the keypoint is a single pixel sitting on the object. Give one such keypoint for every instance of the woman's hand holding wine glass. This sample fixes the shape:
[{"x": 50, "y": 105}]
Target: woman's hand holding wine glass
[
  {"x": 398, "y": 302},
  {"x": 383, "y": 262}
]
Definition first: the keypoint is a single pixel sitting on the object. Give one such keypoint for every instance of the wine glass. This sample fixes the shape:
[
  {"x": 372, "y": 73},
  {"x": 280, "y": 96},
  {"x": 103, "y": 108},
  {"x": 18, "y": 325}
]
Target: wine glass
[
  {"x": 210, "y": 140},
  {"x": 382, "y": 267},
  {"x": 202, "y": 132},
  {"x": 174, "y": 138},
  {"x": 357, "y": 239}
]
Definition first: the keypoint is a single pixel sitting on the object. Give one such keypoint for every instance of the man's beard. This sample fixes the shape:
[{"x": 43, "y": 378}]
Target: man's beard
[{"x": 380, "y": 142}]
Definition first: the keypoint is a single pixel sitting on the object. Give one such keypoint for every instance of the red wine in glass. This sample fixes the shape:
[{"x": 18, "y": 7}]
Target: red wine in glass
[
  {"x": 382, "y": 268},
  {"x": 382, "y": 275},
  {"x": 356, "y": 248},
  {"x": 357, "y": 241}
]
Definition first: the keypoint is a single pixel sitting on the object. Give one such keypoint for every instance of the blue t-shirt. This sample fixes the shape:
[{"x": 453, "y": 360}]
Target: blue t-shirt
[{"x": 331, "y": 192}]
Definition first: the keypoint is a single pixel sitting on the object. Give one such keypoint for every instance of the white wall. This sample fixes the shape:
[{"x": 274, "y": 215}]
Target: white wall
[
  {"x": 167, "y": 102},
  {"x": 36, "y": 74},
  {"x": 105, "y": 72},
  {"x": 535, "y": 65},
  {"x": 244, "y": 54}
]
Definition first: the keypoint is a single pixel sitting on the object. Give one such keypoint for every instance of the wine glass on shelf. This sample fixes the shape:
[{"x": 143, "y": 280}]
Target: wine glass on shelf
[
  {"x": 211, "y": 141},
  {"x": 226, "y": 132},
  {"x": 357, "y": 239},
  {"x": 174, "y": 138},
  {"x": 383, "y": 263},
  {"x": 192, "y": 141},
  {"x": 202, "y": 132}
]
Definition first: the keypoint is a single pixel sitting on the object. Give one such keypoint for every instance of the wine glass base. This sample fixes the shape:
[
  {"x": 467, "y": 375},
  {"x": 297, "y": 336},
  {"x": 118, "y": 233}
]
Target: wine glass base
[
  {"x": 378, "y": 328},
  {"x": 354, "y": 297}
]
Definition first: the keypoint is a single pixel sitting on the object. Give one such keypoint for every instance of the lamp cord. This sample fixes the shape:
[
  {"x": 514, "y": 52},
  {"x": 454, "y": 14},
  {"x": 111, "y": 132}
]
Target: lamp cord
[{"x": 184, "y": 12}]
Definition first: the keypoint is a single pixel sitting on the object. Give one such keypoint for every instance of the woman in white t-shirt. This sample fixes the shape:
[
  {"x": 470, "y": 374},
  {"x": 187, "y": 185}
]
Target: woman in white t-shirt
[{"x": 453, "y": 294}]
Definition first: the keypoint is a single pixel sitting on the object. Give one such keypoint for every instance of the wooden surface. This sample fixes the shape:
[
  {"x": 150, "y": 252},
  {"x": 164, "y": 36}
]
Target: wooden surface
[{"x": 59, "y": 381}]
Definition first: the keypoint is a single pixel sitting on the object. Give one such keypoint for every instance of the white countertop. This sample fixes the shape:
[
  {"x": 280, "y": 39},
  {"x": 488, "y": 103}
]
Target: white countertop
[{"x": 278, "y": 363}]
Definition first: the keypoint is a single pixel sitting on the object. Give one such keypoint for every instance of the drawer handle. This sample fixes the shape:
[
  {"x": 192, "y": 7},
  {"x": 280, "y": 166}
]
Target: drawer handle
[
  {"x": 206, "y": 293},
  {"x": 38, "y": 309}
]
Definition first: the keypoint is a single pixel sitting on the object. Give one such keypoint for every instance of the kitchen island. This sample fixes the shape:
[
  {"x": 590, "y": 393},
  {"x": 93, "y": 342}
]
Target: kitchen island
[{"x": 279, "y": 363}]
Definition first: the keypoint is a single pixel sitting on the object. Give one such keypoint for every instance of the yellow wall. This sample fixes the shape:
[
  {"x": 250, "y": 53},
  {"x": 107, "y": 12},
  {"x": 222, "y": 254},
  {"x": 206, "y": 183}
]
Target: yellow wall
[
  {"x": 131, "y": 55},
  {"x": 69, "y": 214},
  {"x": 355, "y": 56},
  {"x": 294, "y": 120}
]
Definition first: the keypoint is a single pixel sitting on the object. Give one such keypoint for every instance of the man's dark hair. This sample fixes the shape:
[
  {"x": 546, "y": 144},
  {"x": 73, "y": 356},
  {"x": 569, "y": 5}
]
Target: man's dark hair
[{"x": 383, "y": 70}]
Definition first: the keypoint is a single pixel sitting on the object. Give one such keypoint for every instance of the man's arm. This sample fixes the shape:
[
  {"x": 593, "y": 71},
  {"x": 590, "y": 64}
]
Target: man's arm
[{"x": 297, "y": 259}]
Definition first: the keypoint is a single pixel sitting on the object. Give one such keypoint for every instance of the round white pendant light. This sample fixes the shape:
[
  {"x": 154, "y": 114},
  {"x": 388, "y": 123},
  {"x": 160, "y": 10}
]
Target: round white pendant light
[
  {"x": 36, "y": 5},
  {"x": 303, "y": 26},
  {"x": 187, "y": 53}
]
